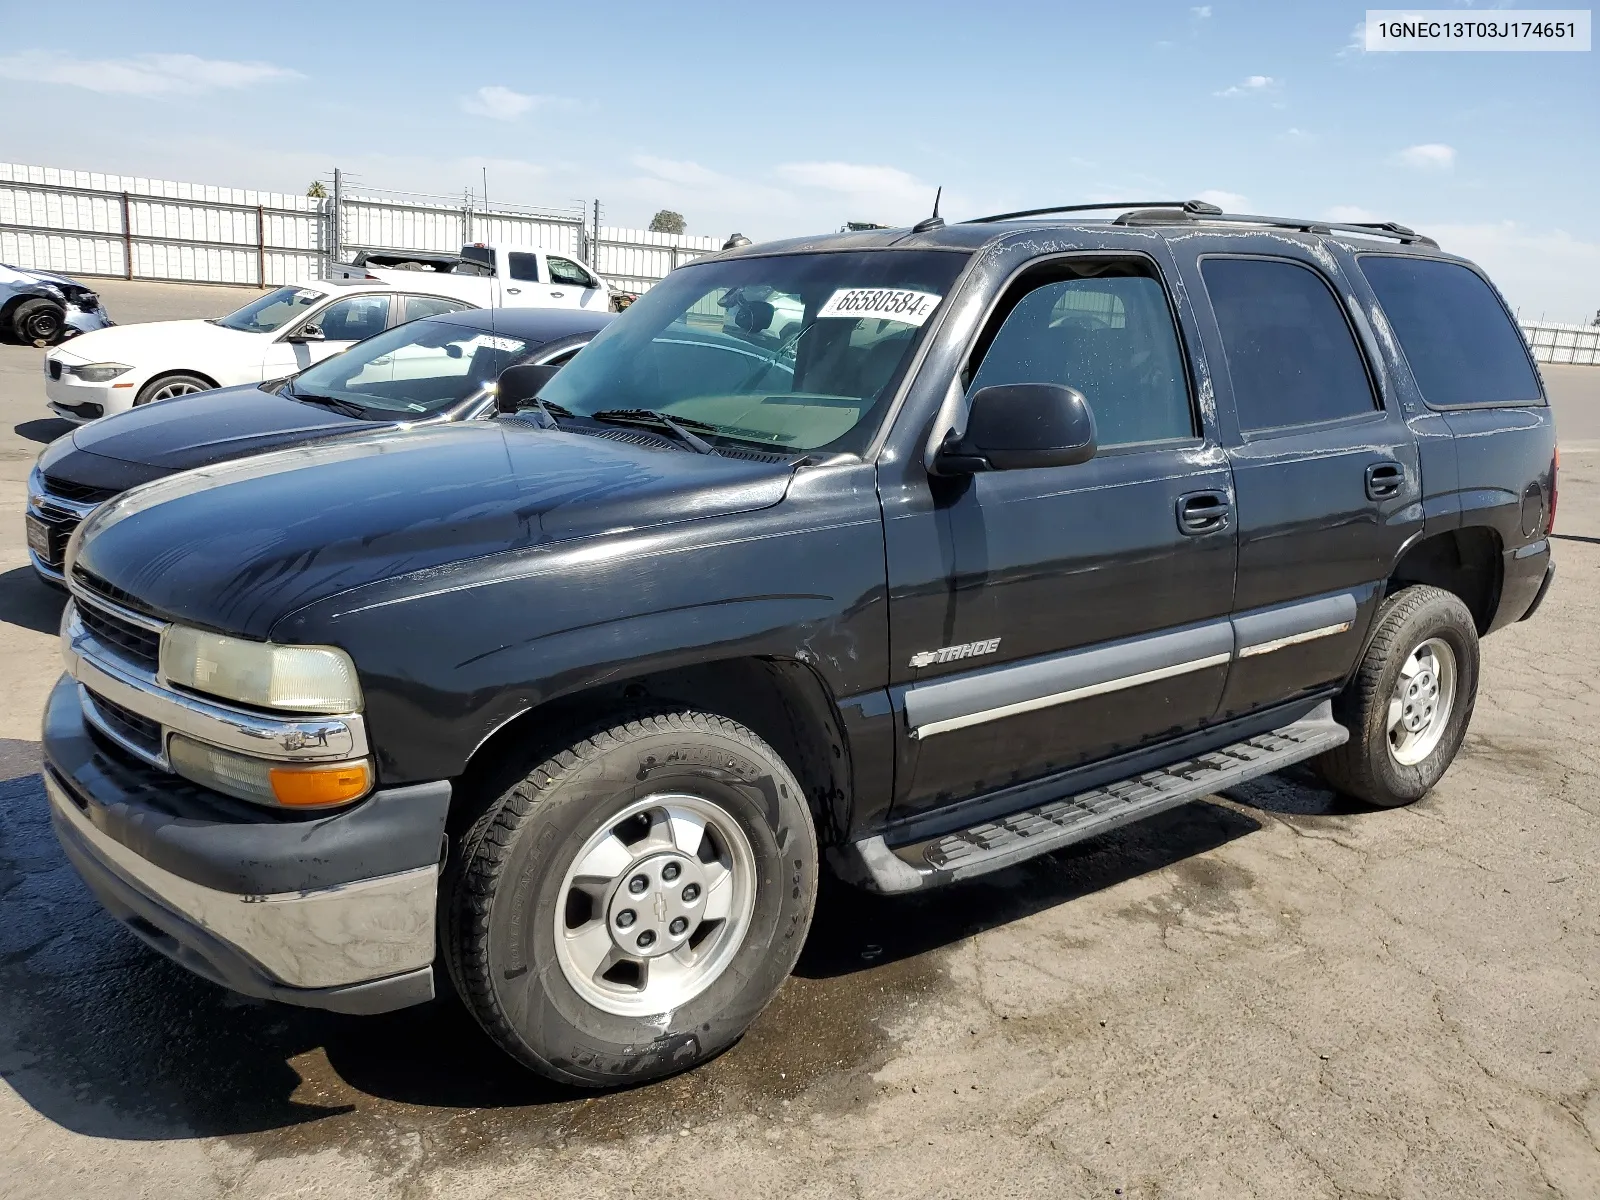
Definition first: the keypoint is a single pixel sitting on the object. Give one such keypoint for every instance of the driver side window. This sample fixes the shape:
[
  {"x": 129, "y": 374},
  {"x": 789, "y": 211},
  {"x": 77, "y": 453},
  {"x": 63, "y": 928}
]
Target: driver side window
[
  {"x": 1112, "y": 338},
  {"x": 566, "y": 271},
  {"x": 354, "y": 318}
]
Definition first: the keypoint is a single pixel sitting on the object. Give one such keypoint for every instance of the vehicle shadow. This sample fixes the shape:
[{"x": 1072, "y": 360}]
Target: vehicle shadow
[
  {"x": 105, "y": 1037},
  {"x": 43, "y": 429},
  {"x": 27, "y": 602}
]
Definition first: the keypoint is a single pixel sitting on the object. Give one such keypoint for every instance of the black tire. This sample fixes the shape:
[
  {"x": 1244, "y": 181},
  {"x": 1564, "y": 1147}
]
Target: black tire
[
  {"x": 38, "y": 322},
  {"x": 1366, "y": 767},
  {"x": 502, "y": 894},
  {"x": 177, "y": 383}
]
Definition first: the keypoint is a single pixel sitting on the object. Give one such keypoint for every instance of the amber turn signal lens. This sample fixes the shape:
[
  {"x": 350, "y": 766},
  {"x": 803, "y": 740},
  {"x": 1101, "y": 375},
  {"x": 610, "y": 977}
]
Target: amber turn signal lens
[{"x": 320, "y": 786}]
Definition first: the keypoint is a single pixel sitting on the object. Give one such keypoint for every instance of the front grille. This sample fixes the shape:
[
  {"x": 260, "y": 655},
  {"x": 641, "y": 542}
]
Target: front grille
[
  {"x": 88, "y": 410},
  {"x": 55, "y": 368},
  {"x": 129, "y": 726},
  {"x": 79, "y": 493},
  {"x": 91, "y": 582},
  {"x": 134, "y": 642}
]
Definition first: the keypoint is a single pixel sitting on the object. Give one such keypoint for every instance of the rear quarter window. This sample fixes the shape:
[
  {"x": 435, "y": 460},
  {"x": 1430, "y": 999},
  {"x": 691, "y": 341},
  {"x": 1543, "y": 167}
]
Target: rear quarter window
[{"x": 1458, "y": 339}]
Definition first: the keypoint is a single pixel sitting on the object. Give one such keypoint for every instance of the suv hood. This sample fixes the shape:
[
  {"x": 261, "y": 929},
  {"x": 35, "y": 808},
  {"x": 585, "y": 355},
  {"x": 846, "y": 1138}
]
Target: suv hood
[
  {"x": 210, "y": 427},
  {"x": 237, "y": 546}
]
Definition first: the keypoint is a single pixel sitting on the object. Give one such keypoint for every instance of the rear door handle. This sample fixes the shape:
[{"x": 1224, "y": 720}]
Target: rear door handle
[
  {"x": 1384, "y": 480},
  {"x": 1204, "y": 512}
]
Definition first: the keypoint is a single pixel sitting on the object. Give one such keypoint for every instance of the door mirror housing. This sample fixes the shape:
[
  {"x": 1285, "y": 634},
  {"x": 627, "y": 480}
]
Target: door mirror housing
[
  {"x": 1019, "y": 425},
  {"x": 520, "y": 384},
  {"x": 309, "y": 332}
]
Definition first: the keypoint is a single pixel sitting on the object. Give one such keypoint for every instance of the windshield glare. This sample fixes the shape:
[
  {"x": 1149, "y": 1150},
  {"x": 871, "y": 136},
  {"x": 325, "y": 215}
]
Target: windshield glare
[
  {"x": 271, "y": 312},
  {"x": 794, "y": 352},
  {"x": 414, "y": 369}
]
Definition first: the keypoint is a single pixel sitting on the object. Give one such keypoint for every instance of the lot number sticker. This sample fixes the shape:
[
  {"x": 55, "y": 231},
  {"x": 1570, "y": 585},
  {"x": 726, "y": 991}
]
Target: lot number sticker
[{"x": 886, "y": 304}]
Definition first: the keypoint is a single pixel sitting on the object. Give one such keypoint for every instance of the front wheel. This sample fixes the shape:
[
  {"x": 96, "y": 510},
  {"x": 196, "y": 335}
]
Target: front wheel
[
  {"x": 38, "y": 322},
  {"x": 630, "y": 906},
  {"x": 165, "y": 387},
  {"x": 1408, "y": 706}
]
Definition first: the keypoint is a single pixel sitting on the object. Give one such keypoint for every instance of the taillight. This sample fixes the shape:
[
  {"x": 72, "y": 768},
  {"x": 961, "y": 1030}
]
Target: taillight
[{"x": 1555, "y": 469}]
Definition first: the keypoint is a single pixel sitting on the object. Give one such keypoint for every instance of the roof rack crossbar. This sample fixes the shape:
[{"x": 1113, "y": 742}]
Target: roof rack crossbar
[
  {"x": 1192, "y": 206},
  {"x": 1189, "y": 210}
]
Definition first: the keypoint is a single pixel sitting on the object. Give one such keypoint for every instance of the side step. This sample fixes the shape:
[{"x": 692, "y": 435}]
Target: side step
[{"x": 991, "y": 845}]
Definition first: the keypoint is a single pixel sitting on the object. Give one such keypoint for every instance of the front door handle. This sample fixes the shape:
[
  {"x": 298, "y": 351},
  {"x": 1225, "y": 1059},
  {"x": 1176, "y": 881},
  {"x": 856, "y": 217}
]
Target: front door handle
[
  {"x": 1204, "y": 512},
  {"x": 1384, "y": 480},
  {"x": 514, "y": 291},
  {"x": 557, "y": 295}
]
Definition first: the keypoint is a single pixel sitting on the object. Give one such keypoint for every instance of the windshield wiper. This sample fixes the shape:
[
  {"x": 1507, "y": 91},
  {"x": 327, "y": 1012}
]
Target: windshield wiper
[
  {"x": 348, "y": 407},
  {"x": 679, "y": 426},
  {"x": 547, "y": 410}
]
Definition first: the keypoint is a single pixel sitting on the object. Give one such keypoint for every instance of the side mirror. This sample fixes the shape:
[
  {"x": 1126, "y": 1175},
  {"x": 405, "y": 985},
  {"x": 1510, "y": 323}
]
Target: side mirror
[
  {"x": 520, "y": 384},
  {"x": 1018, "y": 425},
  {"x": 308, "y": 333}
]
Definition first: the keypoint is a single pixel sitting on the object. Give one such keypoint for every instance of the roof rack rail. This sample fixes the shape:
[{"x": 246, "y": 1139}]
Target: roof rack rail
[
  {"x": 1199, "y": 207},
  {"x": 1153, "y": 212}
]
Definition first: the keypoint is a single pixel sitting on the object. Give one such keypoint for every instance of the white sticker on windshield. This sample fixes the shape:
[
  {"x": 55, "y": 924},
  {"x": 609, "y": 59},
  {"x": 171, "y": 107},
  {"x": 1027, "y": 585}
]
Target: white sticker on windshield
[
  {"x": 887, "y": 304},
  {"x": 509, "y": 345}
]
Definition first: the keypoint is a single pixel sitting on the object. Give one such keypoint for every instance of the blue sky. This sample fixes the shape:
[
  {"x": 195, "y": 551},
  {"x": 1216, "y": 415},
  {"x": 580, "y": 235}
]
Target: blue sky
[{"x": 781, "y": 119}]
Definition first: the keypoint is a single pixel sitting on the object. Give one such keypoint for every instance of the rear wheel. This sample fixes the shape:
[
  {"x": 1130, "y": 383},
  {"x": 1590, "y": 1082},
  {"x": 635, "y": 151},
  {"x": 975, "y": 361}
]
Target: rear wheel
[
  {"x": 628, "y": 907},
  {"x": 1408, "y": 706},
  {"x": 165, "y": 387},
  {"x": 38, "y": 322}
]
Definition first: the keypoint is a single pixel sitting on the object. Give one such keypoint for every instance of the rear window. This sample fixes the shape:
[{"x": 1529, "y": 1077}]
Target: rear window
[{"x": 1461, "y": 346}]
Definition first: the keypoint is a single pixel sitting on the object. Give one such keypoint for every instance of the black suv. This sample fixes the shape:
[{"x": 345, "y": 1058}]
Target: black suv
[{"x": 912, "y": 552}]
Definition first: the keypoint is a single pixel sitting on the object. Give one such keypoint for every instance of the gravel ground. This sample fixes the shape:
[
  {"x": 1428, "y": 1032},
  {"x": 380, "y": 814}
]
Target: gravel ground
[{"x": 1267, "y": 993}]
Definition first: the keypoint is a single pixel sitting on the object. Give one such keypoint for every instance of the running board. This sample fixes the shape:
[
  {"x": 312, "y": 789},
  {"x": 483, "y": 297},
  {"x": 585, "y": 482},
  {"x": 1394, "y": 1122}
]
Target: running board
[{"x": 991, "y": 845}]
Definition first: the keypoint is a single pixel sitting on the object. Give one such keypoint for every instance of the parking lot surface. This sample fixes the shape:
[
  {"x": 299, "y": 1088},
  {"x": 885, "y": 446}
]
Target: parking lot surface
[{"x": 1267, "y": 993}]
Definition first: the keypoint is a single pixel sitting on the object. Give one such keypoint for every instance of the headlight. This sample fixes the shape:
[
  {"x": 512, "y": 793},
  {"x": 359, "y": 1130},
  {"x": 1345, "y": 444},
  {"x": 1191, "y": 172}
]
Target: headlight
[
  {"x": 312, "y": 679},
  {"x": 98, "y": 372},
  {"x": 292, "y": 785},
  {"x": 35, "y": 487}
]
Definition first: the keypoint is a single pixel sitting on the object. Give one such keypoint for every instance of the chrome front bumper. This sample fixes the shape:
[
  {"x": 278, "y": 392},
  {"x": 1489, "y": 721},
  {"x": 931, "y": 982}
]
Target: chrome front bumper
[{"x": 331, "y": 938}]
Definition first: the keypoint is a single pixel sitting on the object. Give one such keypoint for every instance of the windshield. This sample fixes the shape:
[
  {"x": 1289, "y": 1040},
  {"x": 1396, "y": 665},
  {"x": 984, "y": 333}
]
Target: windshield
[
  {"x": 413, "y": 369},
  {"x": 271, "y": 312},
  {"x": 795, "y": 352}
]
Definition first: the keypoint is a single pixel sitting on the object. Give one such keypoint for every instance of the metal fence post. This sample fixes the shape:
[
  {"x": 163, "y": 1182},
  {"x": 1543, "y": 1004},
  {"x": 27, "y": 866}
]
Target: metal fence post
[
  {"x": 127, "y": 239},
  {"x": 261, "y": 247}
]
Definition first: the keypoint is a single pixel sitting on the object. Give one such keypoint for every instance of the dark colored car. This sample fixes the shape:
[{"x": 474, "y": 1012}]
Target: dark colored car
[
  {"x": 426, "y": 372},
  {"x": 916, "y": 553},
  {"x": 41, "y": 308}
]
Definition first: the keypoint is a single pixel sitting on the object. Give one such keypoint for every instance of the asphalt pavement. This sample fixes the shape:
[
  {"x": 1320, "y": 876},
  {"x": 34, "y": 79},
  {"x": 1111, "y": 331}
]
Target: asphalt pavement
[{"x": 1268, "y": 993}]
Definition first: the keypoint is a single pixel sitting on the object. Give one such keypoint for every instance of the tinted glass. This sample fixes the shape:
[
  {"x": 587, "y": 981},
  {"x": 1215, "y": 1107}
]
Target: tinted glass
[
  {"x": 414, "y": 308},
  {"x": 1457, "y": 338},
  {"x": 564, "y": 271},
  {"x": 354, "y": 318},
  {"x": 523, "y": 266},
  {"x": 271, "y": 312},
  {"x": 771, "y": 350},
  {"x": 1290, "y": 352},
  {"x": 1112, "y": 338},
  {"x": 413, "y": 369}
]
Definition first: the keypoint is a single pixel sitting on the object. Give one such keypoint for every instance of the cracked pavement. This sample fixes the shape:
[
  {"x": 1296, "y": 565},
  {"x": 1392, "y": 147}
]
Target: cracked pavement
[{"x": 1271, "y": 993}]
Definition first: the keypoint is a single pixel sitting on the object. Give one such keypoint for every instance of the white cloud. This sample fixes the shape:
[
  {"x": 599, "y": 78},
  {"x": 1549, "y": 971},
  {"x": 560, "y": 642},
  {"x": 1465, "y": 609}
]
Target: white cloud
[
  {"x": 681, "y": 172},
  {"x": 502, "y": 104},
  {"x": 1357, "y": 43},
  {"x": 1430, "y": 156},
  {"x": 1252, "y": 85},
  {"x": 1226, "y": 201},
  {"x": 140, "y": 75},
  {"x": 1201, "y": 11},
  {"x": 888, "y": 192}
]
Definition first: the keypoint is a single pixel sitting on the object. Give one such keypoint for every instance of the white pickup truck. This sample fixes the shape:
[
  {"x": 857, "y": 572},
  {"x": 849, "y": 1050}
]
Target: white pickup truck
[{"x": 487, "y": 275}]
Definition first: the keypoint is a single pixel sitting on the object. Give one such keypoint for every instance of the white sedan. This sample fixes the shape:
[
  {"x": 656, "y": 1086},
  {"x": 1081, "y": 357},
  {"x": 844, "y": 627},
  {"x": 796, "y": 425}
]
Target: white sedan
[{"x": 284, "y": 331}]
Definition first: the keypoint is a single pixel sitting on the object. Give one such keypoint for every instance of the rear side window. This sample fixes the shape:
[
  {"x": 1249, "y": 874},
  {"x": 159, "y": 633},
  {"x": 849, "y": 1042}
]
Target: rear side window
[
  {"x": 1291, "y": 355},
  {"x": 524, "y": 267},
  {"x": 1457, "y": 338},
  {"x": 1112, "y": 339}
]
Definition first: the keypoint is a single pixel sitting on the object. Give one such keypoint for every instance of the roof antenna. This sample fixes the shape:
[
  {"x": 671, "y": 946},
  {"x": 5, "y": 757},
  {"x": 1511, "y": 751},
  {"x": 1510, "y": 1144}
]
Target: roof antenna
[{"x": 933, "y": 222}]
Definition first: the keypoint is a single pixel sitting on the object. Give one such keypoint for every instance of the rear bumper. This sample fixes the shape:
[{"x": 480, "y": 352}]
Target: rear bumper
[{"x": 1544, "y": 590}]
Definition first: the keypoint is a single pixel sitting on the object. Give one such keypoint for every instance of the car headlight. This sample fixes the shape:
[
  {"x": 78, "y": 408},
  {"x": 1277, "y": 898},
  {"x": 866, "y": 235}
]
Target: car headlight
[
  {"x": 310, "y": 679},
  {"x": 98, "y": 372}
]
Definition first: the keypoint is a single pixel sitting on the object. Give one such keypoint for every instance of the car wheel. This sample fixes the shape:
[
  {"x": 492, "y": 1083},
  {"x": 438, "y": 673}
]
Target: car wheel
[
  {"x": 1408, "y": 706},
  {"x": 165, "y": 387},
  {"x": 38, "y": 322},
  {"x": 628, "y": 907}
]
